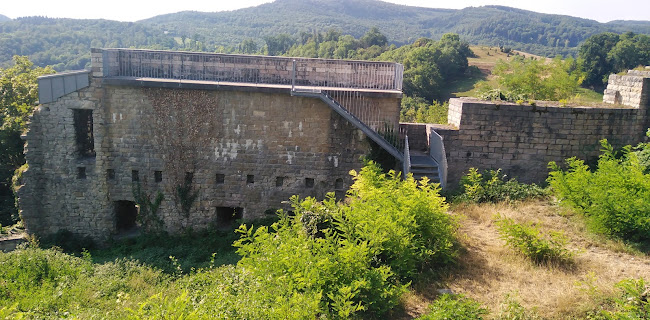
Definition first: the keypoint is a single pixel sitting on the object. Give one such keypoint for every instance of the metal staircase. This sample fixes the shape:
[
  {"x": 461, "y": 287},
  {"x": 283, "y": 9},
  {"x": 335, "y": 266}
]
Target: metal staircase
[{"x": 336, "y": 106}]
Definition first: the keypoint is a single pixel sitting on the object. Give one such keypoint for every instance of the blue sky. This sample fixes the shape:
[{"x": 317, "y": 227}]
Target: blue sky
[{"x": 129, "y": 10}]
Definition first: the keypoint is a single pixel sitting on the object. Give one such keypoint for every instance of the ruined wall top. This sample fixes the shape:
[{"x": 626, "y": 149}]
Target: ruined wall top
[
  {"x": 258, "y": 70},
  {"x": 631, "y": 89}
]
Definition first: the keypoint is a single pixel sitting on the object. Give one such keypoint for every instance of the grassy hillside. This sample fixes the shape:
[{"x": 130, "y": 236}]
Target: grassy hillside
[
  {"x": 4, "y": 18},
  {"x": 498, "y": 278}
]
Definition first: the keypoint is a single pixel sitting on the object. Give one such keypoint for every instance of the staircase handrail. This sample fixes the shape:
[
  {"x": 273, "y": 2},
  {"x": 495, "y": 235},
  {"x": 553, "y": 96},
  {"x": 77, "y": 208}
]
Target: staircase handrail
[
  {"x": 406, "y": 169},
  {"x": 372, "y": 134},
  {"x": 438, "y": 153}
]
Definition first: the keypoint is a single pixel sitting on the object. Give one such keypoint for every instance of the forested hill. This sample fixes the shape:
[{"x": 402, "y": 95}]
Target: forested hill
[
  {"x": 538, "y": 33},
  {"x": 65, "y": 43},
  {"x": 4, "y": 18}
]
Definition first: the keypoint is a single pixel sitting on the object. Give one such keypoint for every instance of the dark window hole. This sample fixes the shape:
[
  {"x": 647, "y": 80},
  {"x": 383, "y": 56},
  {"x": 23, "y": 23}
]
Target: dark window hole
[
  {"x": 83, "y": 125},
  {"x": 221, "y": 178},
  {"x": 309, "y": 182},
  {"x": 250, "y": 179},
  {"x": 81, "y": 172},
  {"x": 279, "y": 181},
  {"x": 110, "y": 174},
  {"x": 135, "y": 175},
  {"x": 157, "y": 175},
  {"x": 338, "y": 184}
]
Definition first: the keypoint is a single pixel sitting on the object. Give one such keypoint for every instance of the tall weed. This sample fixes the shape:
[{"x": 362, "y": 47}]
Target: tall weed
[
  {"x": 528, "y": 240},
  {"x": 492, "y": 186},
  {"x": 454, "y": 307}
]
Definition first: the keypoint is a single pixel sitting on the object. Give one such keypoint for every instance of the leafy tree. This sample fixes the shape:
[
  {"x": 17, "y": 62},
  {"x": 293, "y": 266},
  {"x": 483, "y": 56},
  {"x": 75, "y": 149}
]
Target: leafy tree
[
  {"x": 18, "y": 95},
  {"x": 248, "y": 46},
  {"x": 630, "y": 51},
  {"x": 277, "y": 45},
  {"x": 374, "y": 38},
  {"x": 606, "y": 53},
  {"x": 418, "y": 110},
  {"x": 422, "y": 76}
]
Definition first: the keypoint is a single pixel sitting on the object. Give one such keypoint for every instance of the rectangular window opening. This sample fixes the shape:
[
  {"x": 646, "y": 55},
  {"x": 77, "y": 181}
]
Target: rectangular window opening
[
  {"x": 220, "y": 178},
  {"x": 309, "y": 182},
  {"x": 81, "y": 172},
  {"x": 338, "y": 184},
  {"x": 279, "y": 181},
  {"x": 157, "y": 176},
  {"x": 110, "y": 174},
  {"x": 250, "y": 179},
  {"x": 83, "y": 125},
  {"x": 135, "y": 175},
  {"x": 189, "y": 176}
]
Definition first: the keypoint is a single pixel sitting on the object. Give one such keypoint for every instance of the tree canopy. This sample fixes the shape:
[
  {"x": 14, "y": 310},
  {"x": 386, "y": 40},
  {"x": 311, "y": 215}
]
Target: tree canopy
[
  {"x": 18, "y": 95},
  {"x": 606, "y": 53}
]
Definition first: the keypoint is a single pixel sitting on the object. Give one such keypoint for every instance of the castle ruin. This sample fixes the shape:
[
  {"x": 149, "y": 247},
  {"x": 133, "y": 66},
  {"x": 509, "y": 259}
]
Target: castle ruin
[{"x": 204, "y": 139}]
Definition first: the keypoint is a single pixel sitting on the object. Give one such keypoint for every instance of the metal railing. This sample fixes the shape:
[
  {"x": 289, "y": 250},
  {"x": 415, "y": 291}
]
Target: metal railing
[
  {"x": 438, "y": 153},
  {"x": 367, "y": 111},
  {"x": 303, "y": 72},
  {"x": 406, "y": 169}
]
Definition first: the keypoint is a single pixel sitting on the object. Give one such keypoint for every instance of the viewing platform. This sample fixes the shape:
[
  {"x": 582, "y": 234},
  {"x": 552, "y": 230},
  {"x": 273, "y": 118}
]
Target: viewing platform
[{"x": 204, "y": 70}]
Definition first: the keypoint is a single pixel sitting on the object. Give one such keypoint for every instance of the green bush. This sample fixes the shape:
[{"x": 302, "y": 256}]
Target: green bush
[
  {"x": 528, "y": 240},
  {"x": 330, "y": 260},
  {"x": 491, "y": 186},
  {"x": 615, "y": 198},
  {"x": 351, "y": 258},
  {"x": 454, "y": 307},
  {"x": 632, "y": 302}
]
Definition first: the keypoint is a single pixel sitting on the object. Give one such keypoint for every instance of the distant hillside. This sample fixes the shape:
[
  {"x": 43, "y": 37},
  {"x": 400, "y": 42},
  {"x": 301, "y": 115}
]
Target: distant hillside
[
  {"x": 65, "y": 43},
  {"x": 542, "y": 34},
  {"x": 4, "y": 18}
]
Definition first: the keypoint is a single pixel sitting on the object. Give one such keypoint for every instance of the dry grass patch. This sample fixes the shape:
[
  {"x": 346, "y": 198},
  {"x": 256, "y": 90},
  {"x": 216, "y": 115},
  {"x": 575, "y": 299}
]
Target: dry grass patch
[{"x": 489, "y": 272}]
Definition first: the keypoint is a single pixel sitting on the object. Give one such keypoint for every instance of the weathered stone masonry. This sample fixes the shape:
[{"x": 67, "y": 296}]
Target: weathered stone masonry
[
  {"x": 246, "y": 149},
  {"x": 523, "y": 139}
]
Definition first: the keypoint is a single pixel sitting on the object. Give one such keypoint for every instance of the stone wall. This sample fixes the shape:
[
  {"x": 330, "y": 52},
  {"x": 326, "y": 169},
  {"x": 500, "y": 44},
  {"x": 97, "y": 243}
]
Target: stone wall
[
  {"x": 632, "y": 89},
  {"x": 522, "y": 139},
  {"x": 240, "y": 149},
  {"x": 417, "y": 133}
]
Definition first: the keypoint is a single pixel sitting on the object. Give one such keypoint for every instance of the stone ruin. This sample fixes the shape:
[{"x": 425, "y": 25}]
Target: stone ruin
[{"x": 176, "y": 140}]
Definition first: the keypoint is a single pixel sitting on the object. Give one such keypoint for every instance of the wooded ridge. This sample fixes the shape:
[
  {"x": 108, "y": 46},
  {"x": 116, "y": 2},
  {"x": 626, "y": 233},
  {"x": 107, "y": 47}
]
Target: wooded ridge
[{"x": 65, "y": 43}]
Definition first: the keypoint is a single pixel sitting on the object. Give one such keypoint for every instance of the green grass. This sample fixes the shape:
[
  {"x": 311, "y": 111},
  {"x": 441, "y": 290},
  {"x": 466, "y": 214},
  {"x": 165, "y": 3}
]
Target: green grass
[{"x": 190, "y": 251}]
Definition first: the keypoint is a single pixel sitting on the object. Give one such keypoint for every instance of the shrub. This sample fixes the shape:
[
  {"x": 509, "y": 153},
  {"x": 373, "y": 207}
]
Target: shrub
[
  {"x": 491, "y": 186},
  {"x": 528, "y": 240},
  {"x": 632, "y": 303},
  {"x": 352, "y": 258},
  {"x": 511, "y": 309},
  {"x": 454, "y": 307},
  {"x": 615, "y": 198}
]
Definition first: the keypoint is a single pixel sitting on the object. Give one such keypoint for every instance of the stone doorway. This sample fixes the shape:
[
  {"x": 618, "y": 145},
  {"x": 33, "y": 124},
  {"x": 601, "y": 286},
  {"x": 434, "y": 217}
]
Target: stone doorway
[
  {"x": 126, "y": 213},
  {"x": 226, "y": 216}
]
